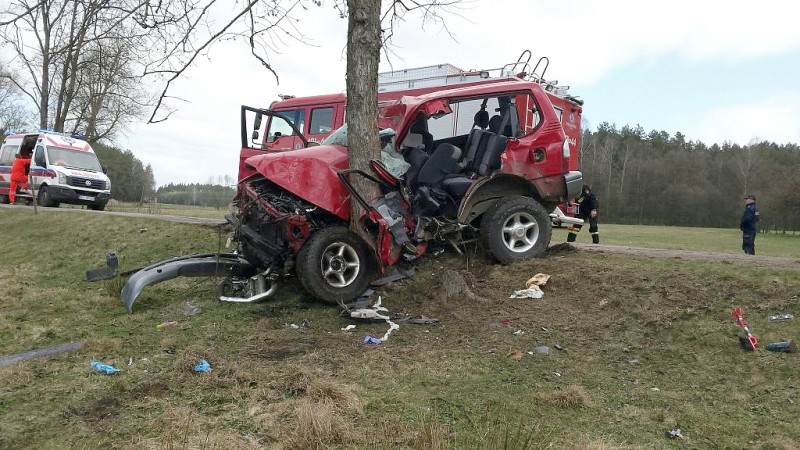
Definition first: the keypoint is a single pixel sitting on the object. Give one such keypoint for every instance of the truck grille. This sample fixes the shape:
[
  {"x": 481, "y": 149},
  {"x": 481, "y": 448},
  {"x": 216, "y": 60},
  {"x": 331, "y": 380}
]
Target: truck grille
[{"x": 82, "y": 182}]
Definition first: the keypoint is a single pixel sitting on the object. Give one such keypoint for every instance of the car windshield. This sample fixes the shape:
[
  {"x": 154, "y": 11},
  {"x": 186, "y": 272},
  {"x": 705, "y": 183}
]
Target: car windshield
[
  {"x": 339, "y": 137},
  {"x": 73, "y": 159}
]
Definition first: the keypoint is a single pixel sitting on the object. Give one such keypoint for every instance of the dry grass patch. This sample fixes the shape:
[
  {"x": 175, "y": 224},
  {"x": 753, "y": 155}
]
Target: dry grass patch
[{"x": 573, "y": 397}]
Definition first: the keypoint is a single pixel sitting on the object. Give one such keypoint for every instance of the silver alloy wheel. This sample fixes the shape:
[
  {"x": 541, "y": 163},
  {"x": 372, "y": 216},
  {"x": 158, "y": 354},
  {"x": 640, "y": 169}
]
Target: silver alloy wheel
[
  {"x": 340, "y": 264},
  {"x": 520, "y": 232}
]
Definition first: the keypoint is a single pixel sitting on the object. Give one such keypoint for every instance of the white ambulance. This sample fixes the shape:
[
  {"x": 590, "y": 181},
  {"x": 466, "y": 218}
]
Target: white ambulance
[{"x": 64, "y": 169}]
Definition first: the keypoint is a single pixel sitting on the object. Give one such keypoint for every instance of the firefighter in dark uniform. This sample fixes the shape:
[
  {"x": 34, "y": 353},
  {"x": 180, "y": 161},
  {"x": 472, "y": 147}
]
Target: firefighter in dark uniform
[
  {"x": 587, "y": 210},
  {"x": 748, "y": 225}
]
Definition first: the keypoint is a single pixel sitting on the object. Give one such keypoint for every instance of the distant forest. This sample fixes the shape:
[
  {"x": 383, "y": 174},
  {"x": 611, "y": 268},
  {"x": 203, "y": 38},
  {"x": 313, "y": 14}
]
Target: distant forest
[{"x": 657, "y": 179}]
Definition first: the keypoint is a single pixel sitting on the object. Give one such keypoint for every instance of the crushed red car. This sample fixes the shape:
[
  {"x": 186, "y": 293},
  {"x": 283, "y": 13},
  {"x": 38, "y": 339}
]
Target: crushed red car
[{"x": 486, "y": 162}]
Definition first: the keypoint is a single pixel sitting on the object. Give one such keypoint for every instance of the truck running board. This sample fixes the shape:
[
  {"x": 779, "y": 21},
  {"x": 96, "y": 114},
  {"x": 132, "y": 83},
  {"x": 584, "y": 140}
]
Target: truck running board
[{"x": 200, "y": 265}]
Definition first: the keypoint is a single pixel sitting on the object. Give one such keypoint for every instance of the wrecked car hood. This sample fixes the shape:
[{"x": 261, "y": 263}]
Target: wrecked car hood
[{"x": 311, "y": 174}]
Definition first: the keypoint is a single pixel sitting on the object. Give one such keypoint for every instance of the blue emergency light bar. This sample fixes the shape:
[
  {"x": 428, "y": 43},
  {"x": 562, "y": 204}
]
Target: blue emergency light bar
[{"x": 59, "y": 133}]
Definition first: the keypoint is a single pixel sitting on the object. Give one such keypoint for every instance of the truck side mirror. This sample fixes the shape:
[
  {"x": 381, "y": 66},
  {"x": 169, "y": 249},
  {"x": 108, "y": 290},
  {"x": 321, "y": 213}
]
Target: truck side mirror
[
  {"x": 257, "y": 121},
  {"x": 254, "y": 137},
  {"x": 104, "y": 169}
]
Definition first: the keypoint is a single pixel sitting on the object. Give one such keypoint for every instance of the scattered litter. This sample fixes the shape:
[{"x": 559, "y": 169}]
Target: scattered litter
[
  {"x": 674, "y": 433},
  {"x": 539, "y": 279},
  {"x": 748, "y": 341},
  {"x": 423, "y": 320},
  {"x": 532, "y": 292},
  {"x": 170, "y": 350},
  {"x": 514, "y": 354},
  {"x": 371, "y": 340},
  {"x": 104, "y": 368},
  {"x": 143, "y": 230},
  {"x": 168, "y": 324},
  {"x": 633, "y": 361},
  {"x": 603, "y": 303},
  {"x": 294, "y": 326},
  {"x": 349, "y": 327},
  {"x": 542, "y": 349},
  {"x": 397, "y": 274},
  {"x": 374, "y": 312},
  {"x": 558, "y": 374},
  {"x": 783, "y": 346},
  {"x": 519, "y": 333},
  {"x": 780, "y": 317},
  {"x": 202, "y": 367},
  {"x": 545, "y": 330},
  {"x": 558, "y": 347},
  {"x": 130, "y": 361},
  {"x": 47, "y": 351},
  {"x": 655, "y": 389},
  {"x": 304, "y": 325},
  {"x": 191, "y": 308}
]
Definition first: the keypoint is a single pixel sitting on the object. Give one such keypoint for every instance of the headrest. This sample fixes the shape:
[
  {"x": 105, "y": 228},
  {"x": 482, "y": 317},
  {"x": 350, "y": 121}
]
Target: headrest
[
  {"x": 413, "y": 140},
  {"x": 494, "y": 124},
  {"x": 482, "y": 119}
]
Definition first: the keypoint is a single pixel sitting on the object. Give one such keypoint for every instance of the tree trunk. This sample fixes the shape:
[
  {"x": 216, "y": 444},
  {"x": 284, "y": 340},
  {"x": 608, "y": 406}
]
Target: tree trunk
[{"x": 363, "y": 57}]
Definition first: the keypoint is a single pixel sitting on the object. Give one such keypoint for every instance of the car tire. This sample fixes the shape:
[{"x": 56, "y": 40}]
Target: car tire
[
  {"x": 516, "y": 228},
  {"x": 335, "y": 265},
  {"x": 97, "y": 206},
  {"x": 4, "y": 199},
  {"x": 44, "y": 198}
]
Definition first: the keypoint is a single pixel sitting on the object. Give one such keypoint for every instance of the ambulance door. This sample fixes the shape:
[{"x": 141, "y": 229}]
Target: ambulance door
[{"x": 39, "y": 172}]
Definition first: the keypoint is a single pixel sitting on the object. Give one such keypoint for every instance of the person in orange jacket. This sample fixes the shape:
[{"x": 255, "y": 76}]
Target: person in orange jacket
[{"x": 19, "y": 174}]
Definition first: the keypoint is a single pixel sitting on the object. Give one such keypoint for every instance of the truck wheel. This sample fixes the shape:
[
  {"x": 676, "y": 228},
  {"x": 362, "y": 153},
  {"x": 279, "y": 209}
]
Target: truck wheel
[
  {"x": 4, "y": 199},
  {"x": 334, "y": 265},
  {"x": 97, "y": 206},
  {"x": 45, "y": 199},
  {"x": 516, "y": 228}
]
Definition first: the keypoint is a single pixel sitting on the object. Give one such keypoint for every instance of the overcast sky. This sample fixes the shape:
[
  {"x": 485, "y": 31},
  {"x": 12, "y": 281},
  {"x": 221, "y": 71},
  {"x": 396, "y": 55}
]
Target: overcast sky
[{"x": 714, "y": 71}]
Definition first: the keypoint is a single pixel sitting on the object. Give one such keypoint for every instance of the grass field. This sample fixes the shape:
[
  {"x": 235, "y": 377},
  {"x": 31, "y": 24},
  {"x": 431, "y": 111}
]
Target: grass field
[{"x": 647, "y": 345}]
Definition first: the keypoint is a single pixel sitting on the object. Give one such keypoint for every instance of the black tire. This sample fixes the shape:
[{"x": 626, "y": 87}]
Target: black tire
[
  {"x": 97, "y": 206},
  {"x": 4, "y": 199},
  {"x": 44, "y": 198},
  {"x": 334, "y": 265},
  {"x": 516, "y": 228}
]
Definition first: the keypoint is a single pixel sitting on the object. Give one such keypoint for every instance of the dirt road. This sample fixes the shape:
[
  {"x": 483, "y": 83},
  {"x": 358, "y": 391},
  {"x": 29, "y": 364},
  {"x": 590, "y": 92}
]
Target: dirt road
[{"x": 749, "y": 260}]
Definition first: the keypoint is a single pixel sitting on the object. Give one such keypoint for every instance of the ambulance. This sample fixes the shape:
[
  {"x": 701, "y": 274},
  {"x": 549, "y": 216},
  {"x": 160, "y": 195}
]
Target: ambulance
[{"x": 64, "y": 169}]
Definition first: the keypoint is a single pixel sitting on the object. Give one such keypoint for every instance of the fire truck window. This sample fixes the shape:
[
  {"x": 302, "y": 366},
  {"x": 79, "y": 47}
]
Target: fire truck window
[
  {"x": 7, "y": 155},
  {"x": 279, "y": 127},
  {"x": 321, "y": 121},
  {"x": 533, "y": 116}
]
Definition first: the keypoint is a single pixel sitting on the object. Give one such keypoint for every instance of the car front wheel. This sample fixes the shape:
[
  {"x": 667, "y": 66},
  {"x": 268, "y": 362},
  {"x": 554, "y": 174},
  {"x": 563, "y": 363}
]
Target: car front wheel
[
  {"x": 516, "y": 228},
  {"x": 334, "y": 265}
]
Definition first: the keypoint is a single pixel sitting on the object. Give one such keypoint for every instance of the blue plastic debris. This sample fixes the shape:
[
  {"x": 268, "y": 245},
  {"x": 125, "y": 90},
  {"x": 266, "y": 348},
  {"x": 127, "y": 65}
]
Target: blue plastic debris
[
  {"x": 104, "y": 368},
  {"x": 372, "y": 340},
  {"x": 204, "y": 366}
]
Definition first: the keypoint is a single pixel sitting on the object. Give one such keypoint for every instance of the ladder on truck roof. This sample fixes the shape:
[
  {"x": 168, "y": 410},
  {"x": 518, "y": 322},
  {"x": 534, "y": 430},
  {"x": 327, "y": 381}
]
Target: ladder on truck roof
[{"x": 448, "y": 74}]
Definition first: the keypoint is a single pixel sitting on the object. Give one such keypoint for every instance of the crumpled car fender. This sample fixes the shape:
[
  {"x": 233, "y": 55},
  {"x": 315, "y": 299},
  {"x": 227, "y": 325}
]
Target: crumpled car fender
[{"x": 199, "y": 265}]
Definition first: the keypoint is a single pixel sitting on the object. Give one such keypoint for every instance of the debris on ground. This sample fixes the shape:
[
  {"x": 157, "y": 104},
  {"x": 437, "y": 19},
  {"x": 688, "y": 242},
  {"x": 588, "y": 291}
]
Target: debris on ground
[
  {"x": 349, "y": 327},
  {"x": 748, "y": 341},
  {"x": 371, "y": 340},
  {"x": 191, "y": 308},
  {"x": 540, "y": 279},
  {"x": 542, "y": 349},
  {"x": 47, "y": 351},
  {"x": 674, "y": 433},
  {"x": 104, "y": 368},
  {"x": 167, "y": 324},
  {"x": 519, "y": 333},
  {"x": 202, "y": 367},
  {"x": 531, "y": 292},
  {"x": 422, "y": 320},
  {"x": 780, "y": 317},
  {"x": 375, "y": 312},
  {"x": 784, "y": 346}
]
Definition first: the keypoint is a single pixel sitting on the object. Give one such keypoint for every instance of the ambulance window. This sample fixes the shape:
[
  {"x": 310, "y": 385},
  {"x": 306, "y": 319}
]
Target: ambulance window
[
  {"x": 38, "y": 159},
  {"x": 321, "y": 121},
  {"x": 278, "y": 125},
  {"x": 7, "y": 155}
]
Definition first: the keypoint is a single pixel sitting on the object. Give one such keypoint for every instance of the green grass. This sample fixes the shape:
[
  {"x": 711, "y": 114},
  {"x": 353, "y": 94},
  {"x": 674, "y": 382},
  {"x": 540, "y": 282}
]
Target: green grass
[
  {"x": 162, "y": 209},
  {"x": 649, "y": 345}
]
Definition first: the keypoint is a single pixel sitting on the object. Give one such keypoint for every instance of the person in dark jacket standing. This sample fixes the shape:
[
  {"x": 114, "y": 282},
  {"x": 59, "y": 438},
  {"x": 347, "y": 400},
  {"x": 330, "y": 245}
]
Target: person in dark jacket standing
[
  {"x": 748, "y": 225},
  {"x": 587, "y": 210}
]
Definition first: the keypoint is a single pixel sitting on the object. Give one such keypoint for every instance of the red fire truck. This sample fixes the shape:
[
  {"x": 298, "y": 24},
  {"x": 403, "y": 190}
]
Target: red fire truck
[{"x": 316, "y": 117}]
